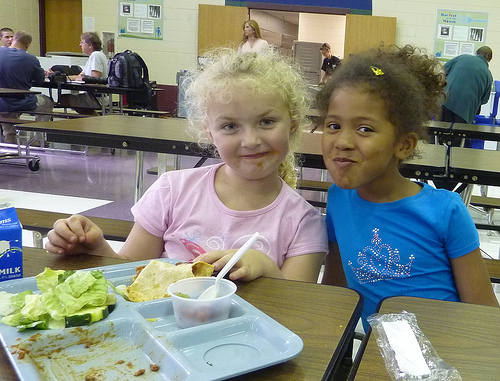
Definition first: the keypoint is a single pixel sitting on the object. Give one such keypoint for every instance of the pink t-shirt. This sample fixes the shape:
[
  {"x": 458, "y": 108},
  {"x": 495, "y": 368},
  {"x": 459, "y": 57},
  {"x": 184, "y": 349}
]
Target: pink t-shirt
[{"x": 183, "y": 208}]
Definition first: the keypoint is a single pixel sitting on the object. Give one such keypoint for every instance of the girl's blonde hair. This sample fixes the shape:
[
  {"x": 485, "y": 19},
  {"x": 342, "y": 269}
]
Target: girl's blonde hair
[{"x": 227, "y": 70}]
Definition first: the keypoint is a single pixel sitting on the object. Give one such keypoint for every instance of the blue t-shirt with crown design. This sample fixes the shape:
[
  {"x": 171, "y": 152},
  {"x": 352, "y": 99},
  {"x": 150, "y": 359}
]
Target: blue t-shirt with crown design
[{"x": 402, "y": 247}]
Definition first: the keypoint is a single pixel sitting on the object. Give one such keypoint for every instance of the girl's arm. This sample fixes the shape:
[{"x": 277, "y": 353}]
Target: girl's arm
[
  {"x": 334, "y": 271},
  {"x": 141, "y": 244},
  {"x": 303, "y": 267},
  {"x": 472, "y": 279},
  {"x": 79, "y": 235},
  {"x": 255, "y": 264}
]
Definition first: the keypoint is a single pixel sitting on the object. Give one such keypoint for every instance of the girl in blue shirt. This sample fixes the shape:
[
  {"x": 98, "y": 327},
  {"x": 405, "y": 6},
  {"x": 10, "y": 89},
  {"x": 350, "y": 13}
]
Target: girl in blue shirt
[{"x": 389, "y": 235}]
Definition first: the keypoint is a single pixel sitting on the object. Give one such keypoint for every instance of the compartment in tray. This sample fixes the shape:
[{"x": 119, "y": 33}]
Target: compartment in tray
[
  {"x": 161, "y": 314},
  {"x": 113, "y": 350},
  {"x": 236, "y": 346}
]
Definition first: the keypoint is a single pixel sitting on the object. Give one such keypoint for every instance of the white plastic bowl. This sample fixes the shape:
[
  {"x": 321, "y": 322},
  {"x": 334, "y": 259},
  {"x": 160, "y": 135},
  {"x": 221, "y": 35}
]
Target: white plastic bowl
[{"x": 191, "y": 312}]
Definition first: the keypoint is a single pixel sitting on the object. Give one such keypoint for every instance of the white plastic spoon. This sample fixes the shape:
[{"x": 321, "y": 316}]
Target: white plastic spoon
[{"x": 213, "y": 291}]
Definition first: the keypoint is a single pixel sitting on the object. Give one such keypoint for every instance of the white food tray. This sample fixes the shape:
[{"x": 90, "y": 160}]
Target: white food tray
[{"x": 136, "y": 335}]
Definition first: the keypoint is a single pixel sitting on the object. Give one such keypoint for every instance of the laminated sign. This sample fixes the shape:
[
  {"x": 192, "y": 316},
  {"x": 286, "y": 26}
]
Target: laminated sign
[{"x": 11, "y": 255}]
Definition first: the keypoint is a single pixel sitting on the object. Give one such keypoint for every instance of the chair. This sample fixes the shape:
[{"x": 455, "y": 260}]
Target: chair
[
  {"x": 67, "y": 70},
  {"x": 490, "y": 120}
]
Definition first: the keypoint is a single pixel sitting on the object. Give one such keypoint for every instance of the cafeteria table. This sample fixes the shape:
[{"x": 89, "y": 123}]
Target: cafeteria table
[
  {"x": 323, "y": 316},
  {"x": 8, "y": 92},
  {"x": 93, "y": 88},
  {"x": 32, "y": 161},
  {"x": 475, "y": 166},
  {"x": 476, "y": 131},
  {"x": 466, "y": 336},
  {"x": 160, "y": 135},
  {"x": 430, "y": 163}
]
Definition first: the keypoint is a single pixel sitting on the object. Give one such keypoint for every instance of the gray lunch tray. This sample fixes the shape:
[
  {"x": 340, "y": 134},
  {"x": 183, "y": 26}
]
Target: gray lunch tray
[{"x": 136, "y": 335}]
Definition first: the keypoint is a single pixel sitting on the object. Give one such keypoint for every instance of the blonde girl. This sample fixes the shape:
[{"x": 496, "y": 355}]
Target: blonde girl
[{"x": 251, "y": 108}]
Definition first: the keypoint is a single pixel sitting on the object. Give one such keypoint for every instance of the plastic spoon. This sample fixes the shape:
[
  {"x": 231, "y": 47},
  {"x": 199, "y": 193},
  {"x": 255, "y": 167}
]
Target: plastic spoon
[{"x": 213, "y": 291}]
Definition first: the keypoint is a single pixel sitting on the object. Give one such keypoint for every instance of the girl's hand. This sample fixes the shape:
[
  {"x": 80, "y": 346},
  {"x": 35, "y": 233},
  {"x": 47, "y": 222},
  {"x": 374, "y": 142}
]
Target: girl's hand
[
  {"x": 74, "y": 235},
  {"x": 252, "y": 265}
]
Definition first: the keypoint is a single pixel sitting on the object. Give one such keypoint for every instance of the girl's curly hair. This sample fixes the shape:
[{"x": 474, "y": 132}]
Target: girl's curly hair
[
  {"x": 409, "y": 82},
  {"x": 227, "y": 70}
]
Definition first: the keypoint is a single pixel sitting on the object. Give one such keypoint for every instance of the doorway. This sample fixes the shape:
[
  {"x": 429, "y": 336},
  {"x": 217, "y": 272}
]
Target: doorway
[{"x": 60, "y": 26}]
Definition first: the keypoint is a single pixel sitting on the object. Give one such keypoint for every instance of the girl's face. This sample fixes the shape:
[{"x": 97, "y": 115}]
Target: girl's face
[
  {"x": 251, "y": 132},
  {"x": 248, "y": 30},
  {"x": 360, "y": 147}
]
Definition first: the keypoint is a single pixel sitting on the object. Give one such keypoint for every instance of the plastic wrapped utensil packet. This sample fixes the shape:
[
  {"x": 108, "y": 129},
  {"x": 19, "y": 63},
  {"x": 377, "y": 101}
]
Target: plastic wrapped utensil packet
[{"x": 408, "y": 354}]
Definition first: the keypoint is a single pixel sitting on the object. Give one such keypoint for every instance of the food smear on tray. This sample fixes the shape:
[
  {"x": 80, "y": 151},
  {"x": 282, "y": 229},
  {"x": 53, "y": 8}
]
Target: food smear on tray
[
  {"x": 81, "y": 354},
  {"x": 151, "y": 281},
  {"x": 66, "y": 299}
]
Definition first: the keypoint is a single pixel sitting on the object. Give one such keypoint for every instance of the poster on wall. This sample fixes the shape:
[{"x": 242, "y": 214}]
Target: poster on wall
[
  {"x": 459, "y": 32},
  {"x": 141, "y": 19}
]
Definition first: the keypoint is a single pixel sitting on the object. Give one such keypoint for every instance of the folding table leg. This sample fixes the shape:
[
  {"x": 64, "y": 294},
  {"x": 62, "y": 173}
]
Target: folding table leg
[{"x": 139, "y": 175}]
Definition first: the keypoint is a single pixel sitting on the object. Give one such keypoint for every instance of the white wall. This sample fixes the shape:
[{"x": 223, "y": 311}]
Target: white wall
[
  {"x": 177, "y": 51},
  {"x": 22, "y": 15},
  {"x": 323, "y": 28},
  {"x": 416, "y": 22}
]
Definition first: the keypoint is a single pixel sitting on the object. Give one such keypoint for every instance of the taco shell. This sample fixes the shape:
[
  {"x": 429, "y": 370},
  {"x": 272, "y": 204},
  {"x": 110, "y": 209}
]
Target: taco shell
[{"x": 154, "y": 279}]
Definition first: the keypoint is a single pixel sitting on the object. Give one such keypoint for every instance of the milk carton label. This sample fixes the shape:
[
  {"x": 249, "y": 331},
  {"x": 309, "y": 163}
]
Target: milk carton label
[{"x": 11, "y": 256}]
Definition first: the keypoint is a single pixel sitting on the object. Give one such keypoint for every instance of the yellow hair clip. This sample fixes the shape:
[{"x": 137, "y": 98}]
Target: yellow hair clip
[{"x": 376, "y": 70}]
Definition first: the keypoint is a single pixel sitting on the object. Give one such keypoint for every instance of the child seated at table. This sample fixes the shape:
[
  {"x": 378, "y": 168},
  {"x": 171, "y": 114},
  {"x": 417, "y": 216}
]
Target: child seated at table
[
  {"x": 252, "y": 108},
  {"x": 389, "y": 235}
]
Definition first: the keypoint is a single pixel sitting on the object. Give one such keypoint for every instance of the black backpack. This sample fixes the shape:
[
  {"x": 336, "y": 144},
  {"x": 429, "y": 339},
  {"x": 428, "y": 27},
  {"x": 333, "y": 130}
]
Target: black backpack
[{"x": 128, "y": 69}]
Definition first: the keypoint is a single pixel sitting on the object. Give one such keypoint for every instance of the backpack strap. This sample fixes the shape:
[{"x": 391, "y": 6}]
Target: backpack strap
[{"x": 144, "y": 67}]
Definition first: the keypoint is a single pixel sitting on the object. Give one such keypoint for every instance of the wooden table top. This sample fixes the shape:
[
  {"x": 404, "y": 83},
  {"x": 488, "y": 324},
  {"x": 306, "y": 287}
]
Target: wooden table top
[
  {"x": 89, "y": 87},
  {"x": 8, "y": 92},
  {"x": 476, "y": 131},
  {"x": 323, "y": 316},
  {"x": 475, "y": 166},
  {"x": 475, "y": 159},
  {"x": 163, "y": 135},
  {"x": 465, "y": 336}
]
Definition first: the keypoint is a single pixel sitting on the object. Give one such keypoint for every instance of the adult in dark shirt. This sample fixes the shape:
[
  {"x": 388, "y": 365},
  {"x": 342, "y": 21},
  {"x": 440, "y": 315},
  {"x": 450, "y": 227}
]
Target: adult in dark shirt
[
  {"x": 330, "y": 62},
  {"x": 468, "y": 85},
  {"x": 21, "y": 70}
]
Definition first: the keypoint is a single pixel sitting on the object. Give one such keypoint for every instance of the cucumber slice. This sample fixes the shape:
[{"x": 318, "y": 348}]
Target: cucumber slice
[{"x": 87, "y": 316}]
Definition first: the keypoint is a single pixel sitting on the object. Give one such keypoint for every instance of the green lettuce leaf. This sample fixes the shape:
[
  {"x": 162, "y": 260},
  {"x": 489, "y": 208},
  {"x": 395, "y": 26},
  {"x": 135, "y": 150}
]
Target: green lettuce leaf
[
  {"x": 48, "y": 279},
  {"x": 12, "y": 303},
  {"x": 80, "y": 290},
  {"x": 18, "y": 300},
  {"x": 64, "y": 293},
  {"x": 34, "y": 307}
]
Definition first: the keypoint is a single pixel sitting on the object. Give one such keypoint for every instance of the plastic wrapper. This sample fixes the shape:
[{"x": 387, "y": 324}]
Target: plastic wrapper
[{"x": 408, "y": 354}]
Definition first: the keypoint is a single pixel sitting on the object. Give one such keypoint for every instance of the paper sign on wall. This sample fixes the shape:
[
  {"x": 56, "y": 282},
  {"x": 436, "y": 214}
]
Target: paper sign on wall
[
  {"x": 141, "y": 19},
  {"x": 459, "y": 32}
]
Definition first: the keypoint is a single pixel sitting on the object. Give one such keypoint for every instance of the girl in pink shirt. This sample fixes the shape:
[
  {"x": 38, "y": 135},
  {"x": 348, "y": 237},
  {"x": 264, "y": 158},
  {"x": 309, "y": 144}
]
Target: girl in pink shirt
[{"x": 251, "y": 109}]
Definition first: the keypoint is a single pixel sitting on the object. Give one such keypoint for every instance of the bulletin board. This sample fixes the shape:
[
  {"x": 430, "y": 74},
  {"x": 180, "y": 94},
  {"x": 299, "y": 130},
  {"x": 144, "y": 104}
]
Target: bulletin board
[
  {"x": 140, "y": 19},
  {"x": 459, "y": 32}
]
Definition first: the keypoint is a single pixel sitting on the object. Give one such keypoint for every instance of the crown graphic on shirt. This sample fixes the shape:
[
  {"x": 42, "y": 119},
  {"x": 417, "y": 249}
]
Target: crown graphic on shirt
[{"x": 380, "y": 261}]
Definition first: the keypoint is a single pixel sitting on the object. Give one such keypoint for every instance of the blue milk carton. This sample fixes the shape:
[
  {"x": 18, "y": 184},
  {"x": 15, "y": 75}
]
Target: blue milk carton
[{"x": 11, "y": 255}]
